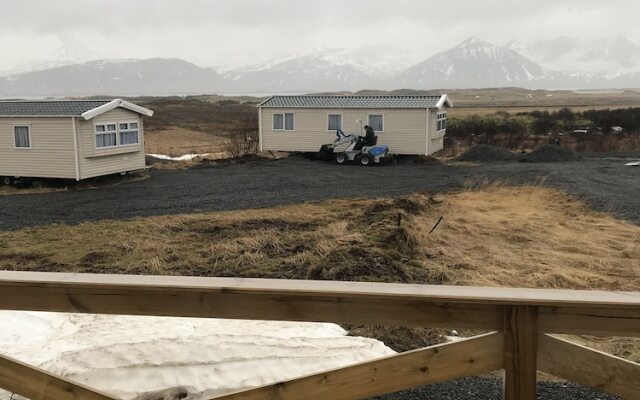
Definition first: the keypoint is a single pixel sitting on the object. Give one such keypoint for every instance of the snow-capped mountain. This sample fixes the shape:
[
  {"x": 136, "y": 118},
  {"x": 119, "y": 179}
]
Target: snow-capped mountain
[
  {"x": 471, "y": 64},
  {"x": 321, "y": 70},
  {"x": 610, "y": 57},
  {"x": 474, "y": 63},
  {"x": 114, "y": 77},
  {"x": 63, "y": 56}
]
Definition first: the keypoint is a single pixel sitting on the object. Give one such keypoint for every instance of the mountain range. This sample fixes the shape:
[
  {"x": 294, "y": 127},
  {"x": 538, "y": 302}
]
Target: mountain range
[{"x": 562, "y": 63}]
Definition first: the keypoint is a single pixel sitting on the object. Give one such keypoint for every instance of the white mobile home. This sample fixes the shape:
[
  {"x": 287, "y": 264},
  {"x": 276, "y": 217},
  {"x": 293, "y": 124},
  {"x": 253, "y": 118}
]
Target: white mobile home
[
  {"x": 70, "y": 139},
  {"x": 407, "y": 124}
]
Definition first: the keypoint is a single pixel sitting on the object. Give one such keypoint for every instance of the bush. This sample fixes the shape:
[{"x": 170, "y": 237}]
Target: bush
[{"x": 244, "y": 138}]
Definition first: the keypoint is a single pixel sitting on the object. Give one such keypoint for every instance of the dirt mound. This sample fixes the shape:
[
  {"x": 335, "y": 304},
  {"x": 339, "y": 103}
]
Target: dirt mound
[
  {"x": 549, "y": 153},
  {"x": 487, "y": 152},
  {"x": 416, "y": 160}
]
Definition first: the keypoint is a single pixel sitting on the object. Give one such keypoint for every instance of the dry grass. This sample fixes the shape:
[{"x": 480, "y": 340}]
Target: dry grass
[
  {"x": 491, "y": 236},
  {"x": 531, "y": 237},
  {"x": 176, "y": 141}
]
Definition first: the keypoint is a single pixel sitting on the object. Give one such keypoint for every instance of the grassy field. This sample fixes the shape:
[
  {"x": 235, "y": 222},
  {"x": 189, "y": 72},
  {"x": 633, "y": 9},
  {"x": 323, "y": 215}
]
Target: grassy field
[
  {"x": 491, "y": 236},
  {"x": 176, "y": 141}
]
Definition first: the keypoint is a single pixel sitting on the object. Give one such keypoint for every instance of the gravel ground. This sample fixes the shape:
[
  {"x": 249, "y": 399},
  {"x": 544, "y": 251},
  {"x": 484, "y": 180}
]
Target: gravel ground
[
  {"x": 491, "y": 389},
  {"x": 606, "y": 184}
]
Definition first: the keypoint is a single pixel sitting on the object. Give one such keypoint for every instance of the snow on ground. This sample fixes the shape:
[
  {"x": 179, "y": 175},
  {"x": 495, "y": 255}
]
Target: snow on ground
[
  {"x": 129, "y": 355},
  {"x": 186, "y": 157}
]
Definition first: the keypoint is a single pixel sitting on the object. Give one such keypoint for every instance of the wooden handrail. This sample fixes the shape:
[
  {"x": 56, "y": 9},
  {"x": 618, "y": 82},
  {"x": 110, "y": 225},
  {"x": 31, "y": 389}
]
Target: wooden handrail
[
  {"x": 560, "y": 311},
  {"x": 522, "y": 316}
]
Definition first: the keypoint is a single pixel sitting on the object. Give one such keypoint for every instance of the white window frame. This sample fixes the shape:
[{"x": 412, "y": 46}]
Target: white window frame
[
  {"x": 341, "y": 122},
  {"x": 273, "y": 120},
  {"x": 284, "y": 121},
  {"x": 380, "y": 114},
  {"x": 28, "y": 126},
  {"x": 126, "y": 130},
  {"x": 441, "y": 118},
  {"x": 95, "y": 135}
]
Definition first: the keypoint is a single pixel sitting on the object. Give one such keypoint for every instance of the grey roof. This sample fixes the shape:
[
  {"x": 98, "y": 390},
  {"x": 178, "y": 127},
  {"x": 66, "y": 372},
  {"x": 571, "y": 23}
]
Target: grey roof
[
  {"x": 352, "y": 102},
  {"x": 54, "y": 108}
]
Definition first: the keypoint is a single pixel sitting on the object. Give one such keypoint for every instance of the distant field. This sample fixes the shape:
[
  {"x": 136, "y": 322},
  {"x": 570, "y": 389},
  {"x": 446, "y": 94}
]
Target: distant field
[
  {"x": 462, "y": 111},
  {"x": 518, "y": 97}
]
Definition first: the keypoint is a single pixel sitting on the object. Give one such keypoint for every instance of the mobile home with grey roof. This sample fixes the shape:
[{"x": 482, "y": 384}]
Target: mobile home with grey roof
[
  {"x": 414, "y": 125},
  {"x": 70, "y": 139}
]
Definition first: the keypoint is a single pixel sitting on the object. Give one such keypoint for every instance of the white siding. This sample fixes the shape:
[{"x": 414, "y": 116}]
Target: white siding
[
  {"x": 51, "y": 154},
  {"x": 97, "y": 162},
  {"x": 404, "y": 130}
]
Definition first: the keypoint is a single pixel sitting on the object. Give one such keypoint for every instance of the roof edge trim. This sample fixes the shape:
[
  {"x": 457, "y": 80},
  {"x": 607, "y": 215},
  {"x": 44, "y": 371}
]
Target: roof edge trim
[{"x": 87, "y": 115}]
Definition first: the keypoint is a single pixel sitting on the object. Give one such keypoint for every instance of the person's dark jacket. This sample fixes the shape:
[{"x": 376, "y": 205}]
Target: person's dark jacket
[{"x": 369, "y": 137}]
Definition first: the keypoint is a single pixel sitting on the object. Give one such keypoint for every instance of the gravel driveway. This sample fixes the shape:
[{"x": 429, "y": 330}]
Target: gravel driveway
[{"x": 607, "y": 185}]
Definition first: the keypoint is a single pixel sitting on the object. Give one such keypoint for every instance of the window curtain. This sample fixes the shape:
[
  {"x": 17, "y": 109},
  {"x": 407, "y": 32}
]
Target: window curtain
[
  {"x": 22, "y": 136},
  {"x": 288, "y": 122},
  {"x": 375, "y": 122},
  {"x": 106, "y": 140},
  {"x": 278, "y": 122},
  {"x": 335, "y": 122},
  {"x": 128, "y": 137}
]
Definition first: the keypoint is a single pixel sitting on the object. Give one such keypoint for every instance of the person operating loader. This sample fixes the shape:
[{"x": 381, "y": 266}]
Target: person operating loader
[{"x": 370, "y": 136}]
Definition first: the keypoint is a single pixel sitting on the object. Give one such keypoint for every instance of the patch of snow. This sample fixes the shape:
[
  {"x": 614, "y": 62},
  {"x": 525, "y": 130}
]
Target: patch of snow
[
  {"x": 126, "y": 356},
  {"x": 633, "y": 164},
  {"x": 186, "y": 157}
]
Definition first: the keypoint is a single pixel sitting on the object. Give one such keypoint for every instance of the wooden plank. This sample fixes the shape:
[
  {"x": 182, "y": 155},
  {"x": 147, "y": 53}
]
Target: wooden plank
[
  {"x": 520, "y": 352},
  {"x": 37, "y": 384},
  {"x": 601, "y": 371},
  {"x": 586, "y": 321},
  {"x": 390, "y": 374},
  {"x": 439, "y": 293},
  {"x": 364, "y": 303}
]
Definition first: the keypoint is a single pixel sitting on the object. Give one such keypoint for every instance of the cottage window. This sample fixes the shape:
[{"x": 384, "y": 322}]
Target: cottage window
[
  {"x": 334, "y": 122},
  {"x": 283, "y": 122},
  {"x": 288, "y": 122},
  {"x": 106, "y": 135},
  {"x": 128, "y": 133},
  {"x": 22, "y": 136},
  {"x": 376, "y": 122},
  {"x": 442, "y": 121}
]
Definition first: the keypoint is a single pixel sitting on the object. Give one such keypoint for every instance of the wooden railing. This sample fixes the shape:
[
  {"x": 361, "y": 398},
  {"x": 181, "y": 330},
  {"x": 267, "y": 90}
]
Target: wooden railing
[{"x": 520, "y": 322}]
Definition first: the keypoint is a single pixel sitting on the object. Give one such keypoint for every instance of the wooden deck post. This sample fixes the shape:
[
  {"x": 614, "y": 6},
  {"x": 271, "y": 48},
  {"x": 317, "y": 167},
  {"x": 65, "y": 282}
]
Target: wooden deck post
[{"x": 520, "y": 352}]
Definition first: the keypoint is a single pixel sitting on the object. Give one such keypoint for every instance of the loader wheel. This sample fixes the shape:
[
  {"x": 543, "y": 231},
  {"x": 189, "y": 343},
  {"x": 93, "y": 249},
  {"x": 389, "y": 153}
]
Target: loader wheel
[
  {"x": 366, "y": 160},
  {"x": 341, "y": 158},
  {"x": 6, "y": 180}
]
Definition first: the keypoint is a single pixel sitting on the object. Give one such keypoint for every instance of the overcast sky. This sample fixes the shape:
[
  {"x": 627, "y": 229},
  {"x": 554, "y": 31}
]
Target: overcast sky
[{"x": 237, "y": 32}]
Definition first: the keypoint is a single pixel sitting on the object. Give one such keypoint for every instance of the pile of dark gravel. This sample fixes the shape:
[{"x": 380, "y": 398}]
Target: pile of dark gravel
[
  {"x": 476, "y": 388},
  {"x": 549, "y": 153},
  {"x": 487, "y": 152}
]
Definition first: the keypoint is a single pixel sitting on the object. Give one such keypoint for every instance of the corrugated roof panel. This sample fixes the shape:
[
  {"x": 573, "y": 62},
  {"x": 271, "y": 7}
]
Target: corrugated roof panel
[
  {"x": 352, "y": 102},
  {"x": 56, "y": 108}
]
